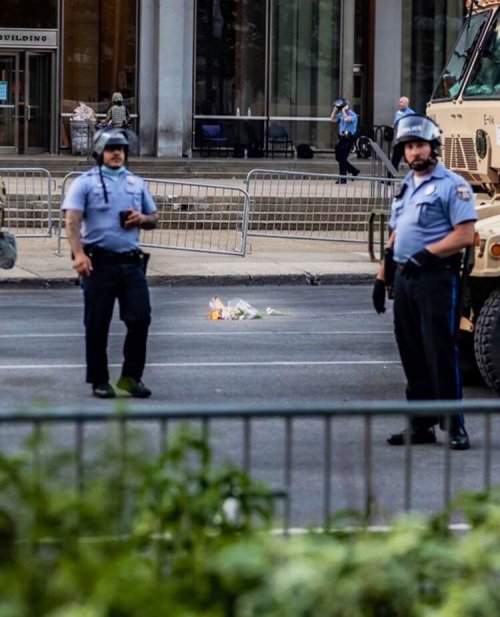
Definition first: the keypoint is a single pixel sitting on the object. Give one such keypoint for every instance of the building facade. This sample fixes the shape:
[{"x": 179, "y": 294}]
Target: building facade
[{"x": 242, "y": 63}]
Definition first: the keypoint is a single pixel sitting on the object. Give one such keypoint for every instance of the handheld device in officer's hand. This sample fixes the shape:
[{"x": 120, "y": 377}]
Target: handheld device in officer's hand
[{"x": 124, "y": 214}]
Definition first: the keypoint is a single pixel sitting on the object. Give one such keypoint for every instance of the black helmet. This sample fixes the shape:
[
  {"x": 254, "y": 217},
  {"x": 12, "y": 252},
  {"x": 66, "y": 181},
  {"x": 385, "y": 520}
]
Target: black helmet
[
  {"x": 103, "y": 139},
  {"x": 341, "y": 102},
  {"x": 416, "y": 127}
]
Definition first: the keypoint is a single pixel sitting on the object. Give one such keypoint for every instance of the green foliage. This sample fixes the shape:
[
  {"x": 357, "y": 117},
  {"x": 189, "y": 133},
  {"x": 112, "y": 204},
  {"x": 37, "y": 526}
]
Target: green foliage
[
  {"x": 147, "y": 536},
  {"x": 135, "y": 540}
]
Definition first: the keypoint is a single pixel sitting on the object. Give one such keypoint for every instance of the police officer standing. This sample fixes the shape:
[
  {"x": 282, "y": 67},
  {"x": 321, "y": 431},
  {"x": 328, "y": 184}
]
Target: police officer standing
[
  {"x": 105, "y": 209},
  {"x": 348, "y": 127},
  {"x": 403, "y": 110},
  {"x": 432, "y": 220}
]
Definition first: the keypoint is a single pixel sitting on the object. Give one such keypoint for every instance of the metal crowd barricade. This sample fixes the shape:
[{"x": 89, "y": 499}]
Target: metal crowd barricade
[
  {"x": 316, "y": 471},
  {"x": 28, "y": 211},
  {"x": 313, "y": 206},
  {"x": 60, "y": 223},
  {"x": 193, "y": 217},
  {"x": 198, "y": 217}
]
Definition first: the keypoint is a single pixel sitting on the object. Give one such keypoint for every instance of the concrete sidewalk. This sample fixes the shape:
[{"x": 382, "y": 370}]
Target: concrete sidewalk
[{"x": 268, "y": 261}]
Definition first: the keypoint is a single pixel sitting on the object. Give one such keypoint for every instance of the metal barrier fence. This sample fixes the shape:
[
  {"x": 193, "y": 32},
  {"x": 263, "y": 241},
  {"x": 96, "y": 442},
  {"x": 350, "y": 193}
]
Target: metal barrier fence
[
  {"x": 193, "y": 217},
  {"x": 29, "y": 201},
  {"x": 199, "y": 217},
  {"x": 320, "y": 459},
  {"x": 383, "y": 135},
  {"x": 381, "y": 165},
  {"x": 60, "y": 223},
  {"x": 315, "y": 206}
]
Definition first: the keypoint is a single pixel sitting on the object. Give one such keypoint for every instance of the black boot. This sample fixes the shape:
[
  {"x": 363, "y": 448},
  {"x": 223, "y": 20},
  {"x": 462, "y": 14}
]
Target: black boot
[
  {"x": 416, "y": 436},
  {"x": 459, "y": 439}
]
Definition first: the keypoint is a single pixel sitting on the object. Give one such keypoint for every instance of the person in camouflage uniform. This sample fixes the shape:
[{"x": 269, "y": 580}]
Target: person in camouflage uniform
[{"x": 118, "y": 115}]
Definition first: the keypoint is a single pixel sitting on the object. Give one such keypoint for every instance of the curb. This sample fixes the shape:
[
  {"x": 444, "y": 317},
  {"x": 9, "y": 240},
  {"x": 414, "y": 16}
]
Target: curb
[{"x": 215, "y": 280}]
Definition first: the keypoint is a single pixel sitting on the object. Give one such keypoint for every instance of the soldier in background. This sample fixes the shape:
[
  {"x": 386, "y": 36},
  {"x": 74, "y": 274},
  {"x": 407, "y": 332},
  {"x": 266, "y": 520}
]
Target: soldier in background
[{"x": 118, "y": 115}]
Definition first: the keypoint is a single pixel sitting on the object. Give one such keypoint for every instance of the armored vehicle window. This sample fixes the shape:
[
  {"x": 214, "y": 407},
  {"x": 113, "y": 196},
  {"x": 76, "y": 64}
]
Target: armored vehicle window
[
  {"x": 450, "y": 82},
  {"x": 485, "y": 78}
]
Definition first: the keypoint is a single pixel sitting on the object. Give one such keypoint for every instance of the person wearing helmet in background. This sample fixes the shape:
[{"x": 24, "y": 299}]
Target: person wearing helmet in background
[
  {"x": 432, "y": 221},
  {"x": 117, "y": 115},
  {"x": 106, "y": 207},
  {"x": 348, "y": 127}
]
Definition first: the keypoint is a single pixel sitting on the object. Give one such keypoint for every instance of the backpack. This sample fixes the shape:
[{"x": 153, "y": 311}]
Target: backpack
[{"x": 304, "y": 151}]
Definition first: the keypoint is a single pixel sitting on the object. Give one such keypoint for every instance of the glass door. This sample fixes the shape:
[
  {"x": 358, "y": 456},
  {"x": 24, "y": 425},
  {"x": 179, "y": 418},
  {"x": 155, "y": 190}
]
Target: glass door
[
  {"x": 26, "y": 102},
  {"x": 37, "y": 104},
  {"x": 9, "y": 103}
]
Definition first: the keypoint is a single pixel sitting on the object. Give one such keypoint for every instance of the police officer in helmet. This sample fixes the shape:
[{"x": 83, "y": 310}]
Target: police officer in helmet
[
  {"x": 106, "y": 207},
  {"x": 432, "y": 221}
]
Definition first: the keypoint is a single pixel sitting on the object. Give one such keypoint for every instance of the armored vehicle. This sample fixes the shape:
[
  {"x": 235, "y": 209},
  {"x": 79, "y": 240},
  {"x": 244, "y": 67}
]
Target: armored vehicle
[{"x": 466, "y": 105}]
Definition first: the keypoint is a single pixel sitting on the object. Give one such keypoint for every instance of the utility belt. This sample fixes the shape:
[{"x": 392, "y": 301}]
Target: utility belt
[
  {"x": 452, "y": 263},
  {"x": 100, "y": 256}
]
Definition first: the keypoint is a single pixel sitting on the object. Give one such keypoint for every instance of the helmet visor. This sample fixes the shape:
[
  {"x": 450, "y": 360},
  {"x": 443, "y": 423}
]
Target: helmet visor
[{"x": 416, "y": 128}]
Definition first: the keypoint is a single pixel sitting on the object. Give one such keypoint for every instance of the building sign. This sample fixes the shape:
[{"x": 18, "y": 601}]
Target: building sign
[
  {"x": 27, "y": 37},
  {"x": 4, "y": 91}
]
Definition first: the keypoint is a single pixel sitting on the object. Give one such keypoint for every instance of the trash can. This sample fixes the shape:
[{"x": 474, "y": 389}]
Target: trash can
[{"x": 80, "y": 137}]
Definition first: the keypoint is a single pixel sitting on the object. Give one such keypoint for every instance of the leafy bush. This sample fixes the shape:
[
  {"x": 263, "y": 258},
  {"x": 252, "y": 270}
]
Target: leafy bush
[
  {"x": 174, "y": 536},
  {"x": 134, "y": 540}
]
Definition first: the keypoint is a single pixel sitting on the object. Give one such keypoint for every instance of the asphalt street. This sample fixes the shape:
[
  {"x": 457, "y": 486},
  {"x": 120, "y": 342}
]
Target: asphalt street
[{"x": 329, "y": 345}]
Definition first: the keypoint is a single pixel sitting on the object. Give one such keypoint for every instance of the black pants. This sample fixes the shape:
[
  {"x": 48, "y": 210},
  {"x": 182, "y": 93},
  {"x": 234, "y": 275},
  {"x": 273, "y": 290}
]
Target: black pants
[
  {"x": 425, "y": 319},
  {"x": 342, "y": 151},
  {"x": 127, "y": 284}
]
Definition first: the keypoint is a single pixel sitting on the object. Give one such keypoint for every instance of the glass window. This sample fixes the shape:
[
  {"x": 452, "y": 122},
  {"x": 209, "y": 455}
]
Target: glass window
[
  {"x": 430, "y": 29},
  {"x": 451, "y": 79},
  {"x": 99, "y": 57},
  {"x": 305, "y": 48},
  {"x": 286, "y": 65},
  {"x": 230, "y": 57},
  {"x": 485, "y": 78},
  {"x": 29, "y": 14},
  {"x": 305, "y": 58}
]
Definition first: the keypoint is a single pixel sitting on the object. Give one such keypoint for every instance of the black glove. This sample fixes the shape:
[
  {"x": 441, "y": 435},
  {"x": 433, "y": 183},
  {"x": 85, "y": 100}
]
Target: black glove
[
  {"x": 423, "y": 261},
  {"x": 378, "y": 296}
]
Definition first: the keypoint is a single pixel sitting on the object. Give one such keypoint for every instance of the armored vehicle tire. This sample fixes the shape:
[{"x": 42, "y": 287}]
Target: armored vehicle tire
[{"x": 487, "y": 341}]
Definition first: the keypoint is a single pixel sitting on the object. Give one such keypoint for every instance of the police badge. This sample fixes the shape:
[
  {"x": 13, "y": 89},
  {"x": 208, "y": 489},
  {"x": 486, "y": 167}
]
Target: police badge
[{"x": 463, "y": 193}]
